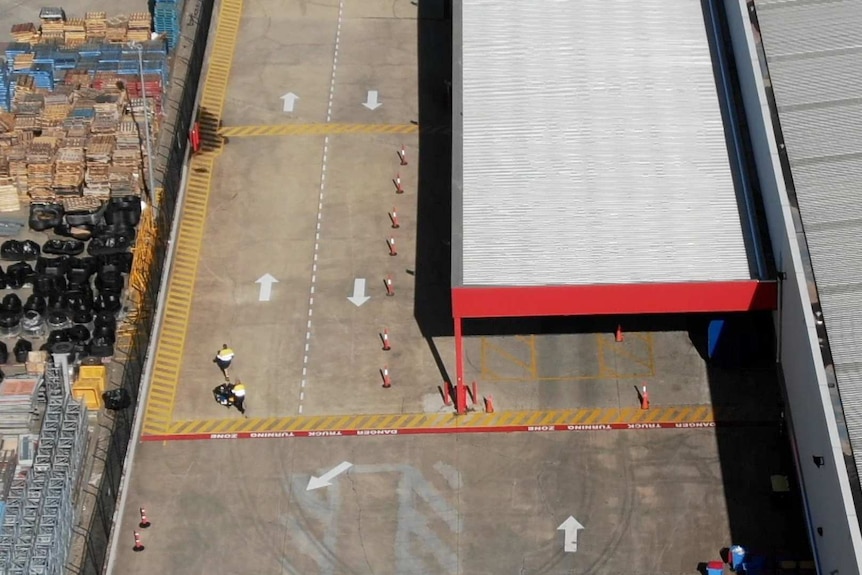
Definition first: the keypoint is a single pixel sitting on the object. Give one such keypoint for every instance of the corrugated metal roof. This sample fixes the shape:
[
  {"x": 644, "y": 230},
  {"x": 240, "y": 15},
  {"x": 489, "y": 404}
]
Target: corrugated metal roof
[
  {"x": 813, "y": 50},
  {"x": 593, "y": 146}
]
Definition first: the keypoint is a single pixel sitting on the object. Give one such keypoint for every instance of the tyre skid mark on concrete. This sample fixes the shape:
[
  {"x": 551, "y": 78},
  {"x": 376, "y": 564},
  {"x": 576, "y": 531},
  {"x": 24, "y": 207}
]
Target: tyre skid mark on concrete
[
  {"x": 169, "y": 352},
  {"x": 587, "y": 419}
]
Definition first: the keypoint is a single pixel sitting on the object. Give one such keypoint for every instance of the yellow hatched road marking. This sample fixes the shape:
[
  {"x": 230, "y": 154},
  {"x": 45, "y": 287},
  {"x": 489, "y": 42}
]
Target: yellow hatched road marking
[
  {"x": 169, "y": 351},
  {"x": 318, "y": 129},
  {"x": 584, "y": 416}
]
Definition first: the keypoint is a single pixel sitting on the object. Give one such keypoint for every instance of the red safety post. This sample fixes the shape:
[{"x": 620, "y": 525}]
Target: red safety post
[
  {"x": 447, "y": 394},
  {"x": 618, "y": 336},
  {"x": 138, "y": 545},
  {"x": 385, "y": 337},
  {"x": 402, "y": 155},
  {"x": 461, "y": 398},
  {"x": 489, "y": 404},
  {"x": 390, "y": 288},
  {"x": 393, "y": 215},
  {"x": 144, "y": 521},
  {"x": 644, "y": 398},
  {"x": 387, "y": 382},
  {"x": 399, "y": 189},
  {"x": 195, "y": 137},
  {"x": 391, "y": 243}
]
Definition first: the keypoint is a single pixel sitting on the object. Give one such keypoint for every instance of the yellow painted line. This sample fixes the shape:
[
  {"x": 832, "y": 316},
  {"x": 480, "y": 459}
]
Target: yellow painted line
[
  {"x": 169, "y": 351},
  {"x": 321, "y": 129},
  {"x": 476, "y": 420}
]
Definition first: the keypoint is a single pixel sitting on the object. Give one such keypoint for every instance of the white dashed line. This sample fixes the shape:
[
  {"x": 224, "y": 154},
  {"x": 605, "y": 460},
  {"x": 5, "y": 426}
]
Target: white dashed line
[{"x": 320, "y": 207}]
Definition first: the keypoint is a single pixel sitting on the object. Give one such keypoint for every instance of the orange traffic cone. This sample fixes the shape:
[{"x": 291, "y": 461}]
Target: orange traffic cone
[
  {"x": 644, "y": 398},
  {"x": 393, "y": 215},
  {"x": 489, "y": 404},
  {"x": 144, "y": 521},
  {"x": 139, "y": 546},
  {"x": 385, "y": 337},
  {"x": 387, "y": 383},
  {"x": 618, "y": 337}
]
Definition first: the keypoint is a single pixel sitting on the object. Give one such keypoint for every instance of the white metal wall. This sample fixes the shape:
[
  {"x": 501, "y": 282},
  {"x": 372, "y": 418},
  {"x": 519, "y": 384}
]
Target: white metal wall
[
  {"x": 814, "y": 54},
  {"x": 828, "y": 499},
  {"x": 593, "y": 146}
]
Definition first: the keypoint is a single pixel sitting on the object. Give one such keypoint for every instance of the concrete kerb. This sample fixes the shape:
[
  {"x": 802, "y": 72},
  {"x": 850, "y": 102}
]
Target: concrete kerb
[{"x": 167, "y": 136}]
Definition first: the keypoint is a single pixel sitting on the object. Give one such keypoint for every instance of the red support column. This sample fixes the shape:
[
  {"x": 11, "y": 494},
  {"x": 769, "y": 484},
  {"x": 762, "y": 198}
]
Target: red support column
[{"x": 460, "y": 390}]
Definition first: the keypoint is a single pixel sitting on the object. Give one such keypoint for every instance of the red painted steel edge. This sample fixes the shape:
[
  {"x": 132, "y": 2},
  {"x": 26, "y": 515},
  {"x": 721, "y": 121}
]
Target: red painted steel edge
[
  {"x": 617, "y": 299},
  {"x": 444, "y": 430}
]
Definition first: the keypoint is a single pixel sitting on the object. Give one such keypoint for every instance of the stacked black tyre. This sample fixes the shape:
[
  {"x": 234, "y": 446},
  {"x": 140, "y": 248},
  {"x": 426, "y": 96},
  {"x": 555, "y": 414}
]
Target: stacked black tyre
[{"x": 77, "y": 279}]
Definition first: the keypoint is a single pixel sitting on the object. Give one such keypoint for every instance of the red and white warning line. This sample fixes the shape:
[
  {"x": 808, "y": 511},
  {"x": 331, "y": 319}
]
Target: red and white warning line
[{"x": 455, "y": 430}]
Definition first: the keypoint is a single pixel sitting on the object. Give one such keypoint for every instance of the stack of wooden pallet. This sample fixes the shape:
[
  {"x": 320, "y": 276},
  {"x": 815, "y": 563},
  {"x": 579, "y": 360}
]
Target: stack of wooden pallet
[
  {"x": 57, "y": 108},
  {"x": 23, "y": 62},
  {"x": 98, "y": 157},
  {"x": 7, "y": 122},
  {"x": 23, "y": 88},
  {"x": 17, "y": 158},
  {"x": 68, "y": 172},
  {"x": 80, "y": 203},
  {"x": 75, "y": 31},
  {"x": 123, "y": 182},
  {"x": 52, "y": 30},
  {"x": 24, "y": 32},
  {"x": 94, "y": 23},
  {"x": 40, "y": 168},
  {"x": 116, "y": 29},
  {"x": 76, "y": 78},
  {"x": 140, "y": 25},
  {"x": 9, "y": 200}
]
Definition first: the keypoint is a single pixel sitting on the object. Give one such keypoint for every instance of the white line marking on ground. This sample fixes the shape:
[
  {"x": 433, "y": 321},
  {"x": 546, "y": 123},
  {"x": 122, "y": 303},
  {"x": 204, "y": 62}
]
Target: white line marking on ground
[{"x": 323, "y": 165}]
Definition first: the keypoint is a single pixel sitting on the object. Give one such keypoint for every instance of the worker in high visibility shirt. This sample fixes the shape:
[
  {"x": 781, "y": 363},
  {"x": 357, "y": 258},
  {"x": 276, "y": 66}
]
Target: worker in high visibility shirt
[
  {"x": 238, "y": 395},
  {"x": 223, "y": 359}
]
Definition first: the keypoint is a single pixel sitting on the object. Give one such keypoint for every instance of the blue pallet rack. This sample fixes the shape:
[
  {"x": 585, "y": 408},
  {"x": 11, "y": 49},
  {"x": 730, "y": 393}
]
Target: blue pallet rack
[
  {"x": 4, "y": 88},
  {"x": 167, "y": 16}
]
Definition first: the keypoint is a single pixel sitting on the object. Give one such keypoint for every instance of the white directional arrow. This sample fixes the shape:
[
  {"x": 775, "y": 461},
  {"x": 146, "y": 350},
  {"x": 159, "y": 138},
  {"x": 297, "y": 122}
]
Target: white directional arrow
[
  {"x": 358, "y": 298},
  {"x": 325, "y": 480},
  {"x": 289, "y": 100},
  {"x": 570, "y": 526},
  {"x": 371, "y": 101},
  {"x": 265, "y": 282}
]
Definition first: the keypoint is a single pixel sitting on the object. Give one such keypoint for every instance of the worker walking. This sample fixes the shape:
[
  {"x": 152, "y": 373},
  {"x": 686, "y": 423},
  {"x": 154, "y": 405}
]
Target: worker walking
[
  {"x": 223, "y": 359},
  {"x": 238, "y": 395}
]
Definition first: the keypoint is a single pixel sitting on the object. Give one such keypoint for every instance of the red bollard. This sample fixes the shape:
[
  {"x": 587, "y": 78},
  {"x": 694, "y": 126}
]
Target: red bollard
[
  {"x": 393, "y": 215},
  {"x": 387, "y": 383},
  {"x": 460, "y": 398},
  {"x": 390, "y": 289},
  {"x": 402, "y": 155},
  {"x": 391, "y": 243},
  {"x": 138, "y": 545},
  {"x": 195, "y": 137},
  {"x": 144, "y": 521},
  {"x": 397, "y": 181},
  {"x": 385, "y": 337}
]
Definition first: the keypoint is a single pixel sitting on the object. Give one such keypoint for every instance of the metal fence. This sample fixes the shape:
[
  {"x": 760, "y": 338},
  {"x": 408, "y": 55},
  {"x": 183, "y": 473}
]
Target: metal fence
[{"x": 171, "y": 153}]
